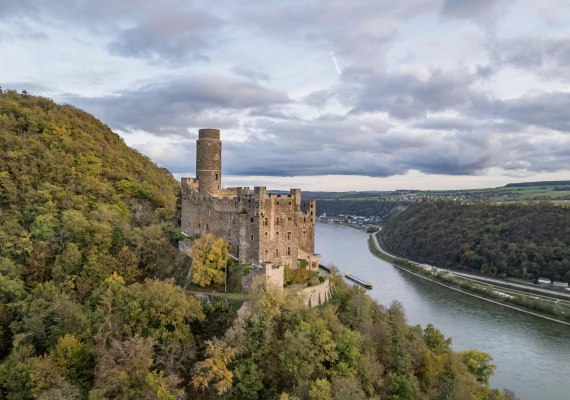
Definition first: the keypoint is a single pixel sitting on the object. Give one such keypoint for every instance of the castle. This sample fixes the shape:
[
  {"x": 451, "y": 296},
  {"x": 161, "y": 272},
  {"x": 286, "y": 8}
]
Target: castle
[{"x": 262, "y": 228}]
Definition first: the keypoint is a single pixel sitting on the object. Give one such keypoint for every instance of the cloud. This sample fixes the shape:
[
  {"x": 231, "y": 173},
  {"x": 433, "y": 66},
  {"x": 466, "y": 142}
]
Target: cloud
[
  {"x": 173, "y": 106},
  {"x": 172, "y": 37},
  {"x": 169, "y": 31},
  {"x": 469, "y": 8},
  {"x": 250, "y": 73},
  {"x": 543, "y": 109},
  {"x": 405, "y": 95},
  {"x": 549, "y": 57}
]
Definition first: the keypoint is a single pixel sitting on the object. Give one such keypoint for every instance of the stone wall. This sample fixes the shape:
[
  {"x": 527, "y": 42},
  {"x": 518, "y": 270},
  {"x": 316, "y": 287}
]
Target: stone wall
[
  {"x": 265, "y": 275},
  {"x": 317, "y": 295}
]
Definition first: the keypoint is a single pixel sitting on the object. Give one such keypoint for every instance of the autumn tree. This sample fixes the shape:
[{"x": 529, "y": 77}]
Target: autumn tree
[
  {"x": 478, "y": 364},
  {"x": 209, "y": 260},
  {"x": 212, "y": 372}
]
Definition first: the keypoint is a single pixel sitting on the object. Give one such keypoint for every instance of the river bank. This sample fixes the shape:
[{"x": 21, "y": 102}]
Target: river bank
[
  {"x": 531, "y": 353},
  {"x": 528, "y": 303}
]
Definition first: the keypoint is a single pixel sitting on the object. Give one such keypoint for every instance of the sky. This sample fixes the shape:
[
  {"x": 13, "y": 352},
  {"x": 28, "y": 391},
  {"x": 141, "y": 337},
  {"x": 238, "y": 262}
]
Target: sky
[{"x": 323, "y": 95}]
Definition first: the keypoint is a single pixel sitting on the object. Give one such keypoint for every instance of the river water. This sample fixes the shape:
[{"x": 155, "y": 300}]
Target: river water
[{"x": 532, "y": 354}]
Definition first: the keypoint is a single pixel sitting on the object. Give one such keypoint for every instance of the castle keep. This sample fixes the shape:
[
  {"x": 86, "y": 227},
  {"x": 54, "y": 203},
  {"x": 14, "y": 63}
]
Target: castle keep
[{"x": 261, "y": 227}]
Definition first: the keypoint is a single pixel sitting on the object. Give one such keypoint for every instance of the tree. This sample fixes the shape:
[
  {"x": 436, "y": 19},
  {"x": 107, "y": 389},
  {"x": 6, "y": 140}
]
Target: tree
[
  {"x": 213, "y": 371},
  {"x": 478, "y": 364},
  {"x": 320, "y": 390},
  {"x": 123, "y": 369},
  {"x": 209, "y": 260},
  {"x": 76, "y": 360}
]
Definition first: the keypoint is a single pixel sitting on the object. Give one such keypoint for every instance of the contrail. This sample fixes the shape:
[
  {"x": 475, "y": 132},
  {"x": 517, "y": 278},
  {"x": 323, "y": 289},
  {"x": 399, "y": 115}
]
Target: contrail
[{"x": 335, "y": 62}]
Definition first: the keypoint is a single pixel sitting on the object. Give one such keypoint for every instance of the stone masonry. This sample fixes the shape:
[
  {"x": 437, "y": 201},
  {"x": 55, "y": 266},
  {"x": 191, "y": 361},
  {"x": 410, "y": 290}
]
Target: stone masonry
[{"x": 261, "y": 227}]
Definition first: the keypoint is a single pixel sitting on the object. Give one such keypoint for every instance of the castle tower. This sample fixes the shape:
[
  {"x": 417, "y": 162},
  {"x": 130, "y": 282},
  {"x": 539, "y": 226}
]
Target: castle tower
[{"x": 209, "y": 160}]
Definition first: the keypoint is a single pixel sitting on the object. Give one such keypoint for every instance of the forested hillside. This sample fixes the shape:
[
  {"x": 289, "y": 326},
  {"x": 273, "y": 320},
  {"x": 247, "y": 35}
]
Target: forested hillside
[
  {"x": 87, "y": 244},
  {"x": 501, "y": 240}
]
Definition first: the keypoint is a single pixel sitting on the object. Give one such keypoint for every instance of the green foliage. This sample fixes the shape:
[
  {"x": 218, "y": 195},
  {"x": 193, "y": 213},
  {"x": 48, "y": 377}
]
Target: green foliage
[
  {"x": 515, "y": 240},
  {"x": 478, "y": 364},
  {"x": 315, "y": 354},
  {"x": 75, "y": 359},
  {"x": 320, "y": 390},
  {"x": 300, "y": 275},
  {"x": 77, "y": 206}
]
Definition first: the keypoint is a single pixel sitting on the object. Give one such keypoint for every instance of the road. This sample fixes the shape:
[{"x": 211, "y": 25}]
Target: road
[{"x": 482, "y": 278}]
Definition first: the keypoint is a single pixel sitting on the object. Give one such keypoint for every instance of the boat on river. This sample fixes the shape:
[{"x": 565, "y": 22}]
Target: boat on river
[{"x": 359, "y": 281}]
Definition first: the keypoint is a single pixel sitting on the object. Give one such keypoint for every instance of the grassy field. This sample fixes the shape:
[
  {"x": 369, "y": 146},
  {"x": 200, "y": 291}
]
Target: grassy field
[{"x": 558, "y": 192}]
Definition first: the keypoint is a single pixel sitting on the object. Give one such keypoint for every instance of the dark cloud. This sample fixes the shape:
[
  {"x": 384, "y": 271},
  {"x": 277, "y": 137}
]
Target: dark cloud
[
  {"x": 549, "y": 57},
  {"x": 472, "y": 9},
  {"x": 548, "y": 110},
  {"x": 174, "y": 106},
  {"x": 404, "y": 95},
  {"x": 353, "y": 147},
  {"x": 172, "y": 37}
]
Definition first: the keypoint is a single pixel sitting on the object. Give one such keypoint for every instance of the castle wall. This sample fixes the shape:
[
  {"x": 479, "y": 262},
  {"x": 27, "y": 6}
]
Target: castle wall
[
  {"x": 317, "y": 295},
  {"x": 260, "y": 226}
]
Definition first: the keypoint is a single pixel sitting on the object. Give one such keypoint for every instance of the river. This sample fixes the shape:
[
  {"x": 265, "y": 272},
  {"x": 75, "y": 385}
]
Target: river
[{"x": 532, "y": 354}]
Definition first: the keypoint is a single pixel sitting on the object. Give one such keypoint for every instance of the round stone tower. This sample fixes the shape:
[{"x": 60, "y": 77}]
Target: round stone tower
[{"x": 209, "y": 161}]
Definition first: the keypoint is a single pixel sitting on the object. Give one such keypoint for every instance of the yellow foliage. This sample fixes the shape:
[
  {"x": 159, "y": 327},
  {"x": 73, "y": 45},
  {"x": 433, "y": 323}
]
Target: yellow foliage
[{"x": 209, "y": 260}]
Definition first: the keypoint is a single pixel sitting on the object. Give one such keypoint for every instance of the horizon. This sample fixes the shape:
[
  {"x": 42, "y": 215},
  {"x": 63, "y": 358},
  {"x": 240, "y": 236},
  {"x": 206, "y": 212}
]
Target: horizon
[{"x": 327, "y": 96}]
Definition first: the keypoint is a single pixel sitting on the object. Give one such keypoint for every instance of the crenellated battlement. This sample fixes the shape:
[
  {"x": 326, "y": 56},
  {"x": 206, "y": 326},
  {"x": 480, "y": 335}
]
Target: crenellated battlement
[{"x": 262, "y": 227}]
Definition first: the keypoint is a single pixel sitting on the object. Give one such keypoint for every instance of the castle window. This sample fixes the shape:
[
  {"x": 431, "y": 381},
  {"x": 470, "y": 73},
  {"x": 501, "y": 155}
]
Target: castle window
[
  {"x": 216, "y": 176},
  {"x": 276, "y": 252},
  {"x": 288, "y": 235},
  {"x": 266, "y": 254},
  {"x": 277, "y": 203},
  {"x": 277, "y": 221},
  {"x": 288, "y": 251},
  {"x": 311, "y": 213},
  {"x": 207, "y": 227},
  {"x": 277, "y": 234},
  {"x": 265, "y": 233},
  {"x": 252, "y": 238},
  {"x": 251, "y": 219},
  {"x": 266, "y": 222},
  {"x": 289, "y": 203},
  {"x": 304, "y": 234}
]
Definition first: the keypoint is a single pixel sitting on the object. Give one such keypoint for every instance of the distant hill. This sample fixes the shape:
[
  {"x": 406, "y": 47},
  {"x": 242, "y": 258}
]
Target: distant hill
[
  {"x": 542, "y": 183},
  {"x": 382, "y": 203},
  {"x": 517, "y": 240}
]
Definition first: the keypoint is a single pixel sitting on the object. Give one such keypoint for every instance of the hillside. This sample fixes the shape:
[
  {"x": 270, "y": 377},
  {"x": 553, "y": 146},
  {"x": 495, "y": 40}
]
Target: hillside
[
  {"x": 517, "y": 240},
  {"x": 87, "y": 234},
  {"x": 380, "y": 204}
]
